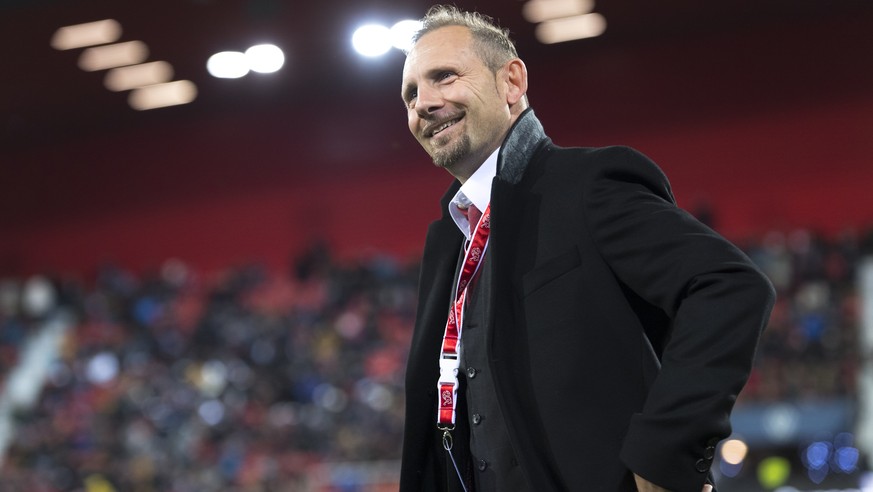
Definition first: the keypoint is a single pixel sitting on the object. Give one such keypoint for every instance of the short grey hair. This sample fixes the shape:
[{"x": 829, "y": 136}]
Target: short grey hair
[{"x": 492, "y": 43}]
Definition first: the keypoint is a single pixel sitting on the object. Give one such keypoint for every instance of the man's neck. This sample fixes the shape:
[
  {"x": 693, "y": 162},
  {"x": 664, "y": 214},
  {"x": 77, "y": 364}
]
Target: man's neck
[{"x": 463, "y": 170}]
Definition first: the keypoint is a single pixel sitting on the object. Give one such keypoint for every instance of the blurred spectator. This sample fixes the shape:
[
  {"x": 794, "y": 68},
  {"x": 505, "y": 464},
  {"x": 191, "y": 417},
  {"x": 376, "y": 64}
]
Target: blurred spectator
[
  {"x": 239, "y": 381},
  {"x": 809, "y": 349}
]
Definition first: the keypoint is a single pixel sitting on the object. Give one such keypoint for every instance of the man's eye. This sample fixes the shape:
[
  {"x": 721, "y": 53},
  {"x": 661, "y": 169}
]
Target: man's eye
[
  {"x": 445, "y": 75},
  {"x": 409, "y": 96}
]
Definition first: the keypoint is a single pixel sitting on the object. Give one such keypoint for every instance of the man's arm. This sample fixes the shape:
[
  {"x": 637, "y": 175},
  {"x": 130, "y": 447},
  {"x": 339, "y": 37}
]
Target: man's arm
[{"x": 717, "y": 300}]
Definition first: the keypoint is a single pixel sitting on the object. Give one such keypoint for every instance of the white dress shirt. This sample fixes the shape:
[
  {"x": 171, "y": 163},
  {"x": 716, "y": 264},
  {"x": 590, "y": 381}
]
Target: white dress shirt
[{"x": 476, "y": 190}]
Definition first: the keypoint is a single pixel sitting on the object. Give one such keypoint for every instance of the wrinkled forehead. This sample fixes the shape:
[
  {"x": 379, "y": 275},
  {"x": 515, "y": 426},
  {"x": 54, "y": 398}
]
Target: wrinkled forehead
[{"x": 439, "y": 47}]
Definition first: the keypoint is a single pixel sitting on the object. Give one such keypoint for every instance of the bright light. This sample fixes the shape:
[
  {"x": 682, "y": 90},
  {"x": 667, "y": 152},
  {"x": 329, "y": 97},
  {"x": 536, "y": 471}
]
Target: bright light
[
  {"x": 87, "y": 34},
  {"x": 734, "y": 451},
  {"x": 102, "y": 368},
  {"x": 372, "y": 40},
  {"x": 773, "y": 472},
  {"x": 537, "y": 11},
  {"x": 113, "y": 55},
  {"x": 817, "y": 454},
  {"x": 228, "y": 65},
  {"x": 127, "y": 78},
  {"x": 570, "y": 28},
  {"x": 162, "y": 95},
  {"x": 262, "y": 58},
  {"x": 402, "y": 33},
  {"x": 846, "y": 459},
  {"x": 265, "y": 58}
]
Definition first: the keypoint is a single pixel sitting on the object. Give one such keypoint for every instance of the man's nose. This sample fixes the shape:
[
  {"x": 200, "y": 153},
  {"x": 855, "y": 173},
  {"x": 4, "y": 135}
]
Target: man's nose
[{"x": 428, "y": 101}]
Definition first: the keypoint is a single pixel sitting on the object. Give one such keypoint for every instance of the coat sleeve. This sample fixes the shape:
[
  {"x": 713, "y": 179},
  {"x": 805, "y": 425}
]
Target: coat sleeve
[{"x": 717, "y": 300}]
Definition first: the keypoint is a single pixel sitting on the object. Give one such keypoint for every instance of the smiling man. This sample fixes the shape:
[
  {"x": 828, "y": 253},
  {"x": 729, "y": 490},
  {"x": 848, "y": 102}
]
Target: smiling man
[
  {"x": 457, "y": 102},
  {"x": 576, "y": 330}
]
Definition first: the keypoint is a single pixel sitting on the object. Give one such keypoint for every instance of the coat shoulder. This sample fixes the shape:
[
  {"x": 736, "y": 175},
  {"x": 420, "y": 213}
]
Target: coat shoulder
[
  {"x": 599, "y": 159},
  {"x": 589, "y": 165}
]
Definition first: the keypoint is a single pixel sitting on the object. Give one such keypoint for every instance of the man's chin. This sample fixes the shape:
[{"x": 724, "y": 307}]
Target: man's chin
[
  {"x": 449, "y": 157},
  {"x": 447, "y": 163}
]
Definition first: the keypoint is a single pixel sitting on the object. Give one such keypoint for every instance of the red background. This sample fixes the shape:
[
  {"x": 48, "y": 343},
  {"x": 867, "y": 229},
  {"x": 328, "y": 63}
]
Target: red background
[{"x": 773, "y": 128}]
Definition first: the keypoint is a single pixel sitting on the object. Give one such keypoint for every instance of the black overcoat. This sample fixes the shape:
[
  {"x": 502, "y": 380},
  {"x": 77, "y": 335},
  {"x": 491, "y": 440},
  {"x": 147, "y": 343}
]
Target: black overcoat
[{"x": 620, "y": 329}]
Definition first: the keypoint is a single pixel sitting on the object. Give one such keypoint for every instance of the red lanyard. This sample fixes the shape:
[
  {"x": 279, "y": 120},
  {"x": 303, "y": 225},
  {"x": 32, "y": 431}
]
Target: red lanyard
[{"x": 450, "y": 354}]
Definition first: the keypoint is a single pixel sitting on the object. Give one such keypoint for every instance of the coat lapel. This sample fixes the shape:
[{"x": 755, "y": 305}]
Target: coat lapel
[
  {"x": 524, "y": 140},
  {"x": 505, "y": 338}
]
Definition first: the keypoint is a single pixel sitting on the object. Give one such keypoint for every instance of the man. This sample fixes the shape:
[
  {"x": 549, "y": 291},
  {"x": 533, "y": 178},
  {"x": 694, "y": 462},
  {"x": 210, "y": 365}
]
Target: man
[{"x": 584, "y": 334}]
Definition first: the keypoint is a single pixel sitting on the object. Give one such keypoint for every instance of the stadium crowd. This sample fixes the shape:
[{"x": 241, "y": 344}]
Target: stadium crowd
[
  {"x": 250, "y": 380},
  {"x": 810, "y": 347}
]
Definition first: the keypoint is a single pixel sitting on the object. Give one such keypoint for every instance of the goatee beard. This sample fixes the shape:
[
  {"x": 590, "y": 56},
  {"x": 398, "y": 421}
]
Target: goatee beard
[{"x": 447, "y": 157}]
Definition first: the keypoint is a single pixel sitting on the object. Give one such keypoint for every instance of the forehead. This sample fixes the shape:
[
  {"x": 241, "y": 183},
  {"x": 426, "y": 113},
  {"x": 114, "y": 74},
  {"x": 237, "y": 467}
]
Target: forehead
[{"x": 446, "y": 46}]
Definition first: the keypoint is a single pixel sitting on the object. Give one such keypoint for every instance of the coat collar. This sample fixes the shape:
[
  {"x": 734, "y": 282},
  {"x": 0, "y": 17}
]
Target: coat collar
[{"x": 518, "y": 148}]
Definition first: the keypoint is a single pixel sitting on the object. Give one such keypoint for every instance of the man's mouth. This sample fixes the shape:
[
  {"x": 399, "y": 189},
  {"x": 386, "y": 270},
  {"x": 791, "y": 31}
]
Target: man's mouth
[{"x": 432, "y": 132}]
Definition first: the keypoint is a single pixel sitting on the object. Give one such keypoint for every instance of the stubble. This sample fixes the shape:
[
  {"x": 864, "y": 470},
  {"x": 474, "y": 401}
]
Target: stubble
[{"x": 447, "y": 157}]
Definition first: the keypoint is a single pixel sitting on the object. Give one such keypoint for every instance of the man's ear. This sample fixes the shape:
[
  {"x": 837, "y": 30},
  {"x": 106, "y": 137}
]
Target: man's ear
[{"x": 515, "y": 78}]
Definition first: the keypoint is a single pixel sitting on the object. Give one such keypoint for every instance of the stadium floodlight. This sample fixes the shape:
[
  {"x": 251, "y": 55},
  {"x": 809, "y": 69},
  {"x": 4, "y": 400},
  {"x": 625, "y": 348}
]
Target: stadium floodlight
[
  {"x": 402, "y": 33},
  {"x": 162, "y": 95},
  {"x": 265, "y": 58},
  {"x": 113, "y": 55},
  {"x": 571, "y": 28},
  {"x": 87, "y": 34},
  {"x": 228, "y": 65},
  {"x": 372, "y": 40}
]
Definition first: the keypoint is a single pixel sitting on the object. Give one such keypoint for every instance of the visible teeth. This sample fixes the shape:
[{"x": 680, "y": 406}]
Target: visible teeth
[{"x": 444, "y": 126}]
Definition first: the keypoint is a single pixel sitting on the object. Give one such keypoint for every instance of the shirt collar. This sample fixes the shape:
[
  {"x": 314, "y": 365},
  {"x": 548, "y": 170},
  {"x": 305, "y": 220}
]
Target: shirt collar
[{"x": 476, "y": 190}]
